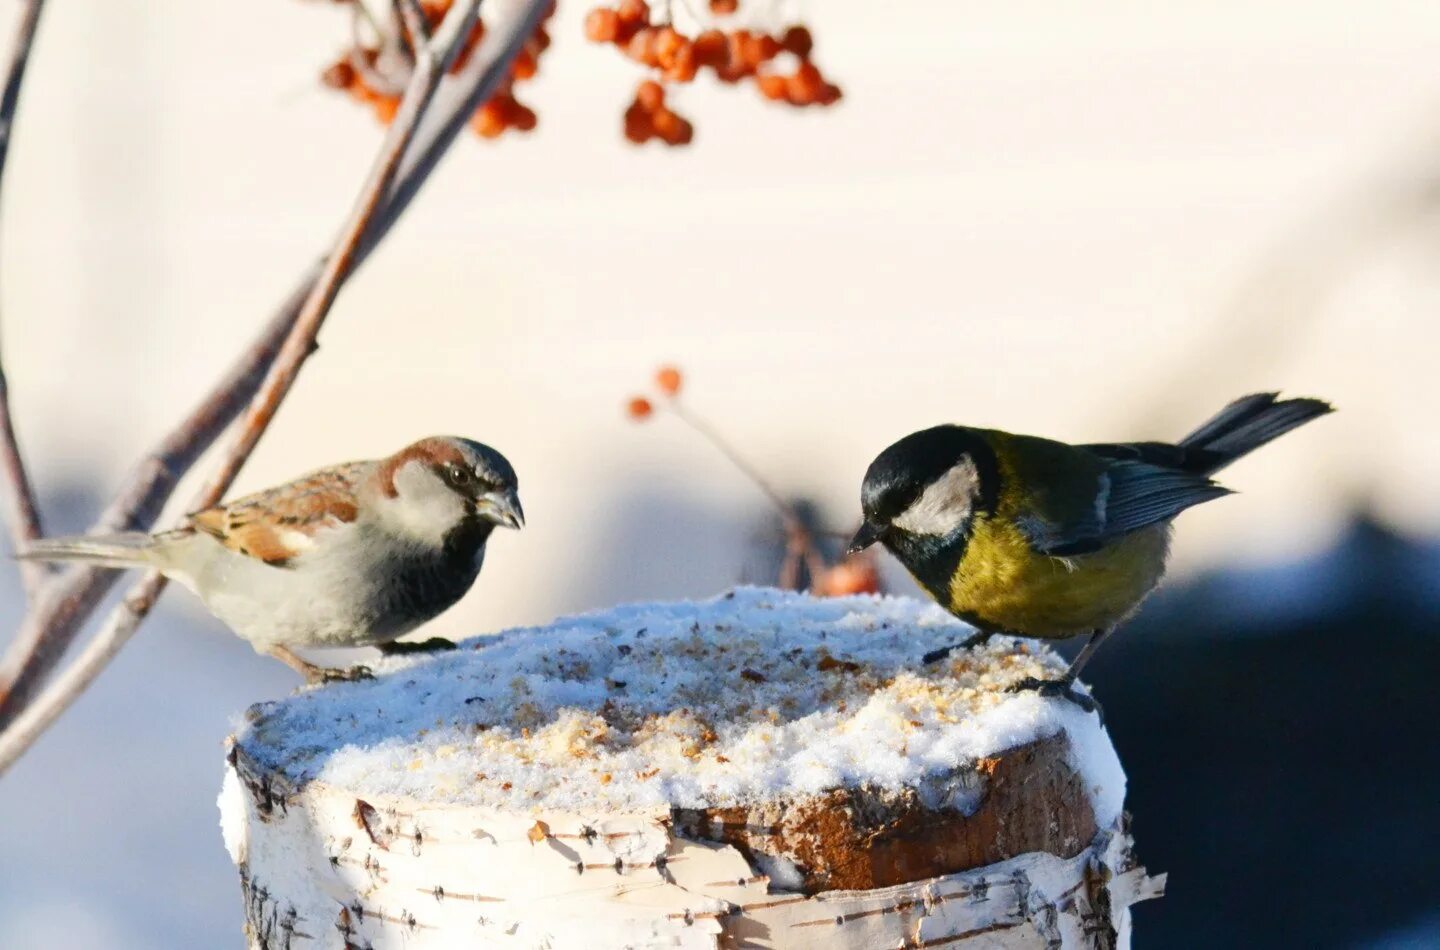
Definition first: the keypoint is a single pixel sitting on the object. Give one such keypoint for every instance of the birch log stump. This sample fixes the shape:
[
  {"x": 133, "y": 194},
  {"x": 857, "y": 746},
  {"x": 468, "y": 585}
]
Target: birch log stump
[{"x": 760, "y": 770}]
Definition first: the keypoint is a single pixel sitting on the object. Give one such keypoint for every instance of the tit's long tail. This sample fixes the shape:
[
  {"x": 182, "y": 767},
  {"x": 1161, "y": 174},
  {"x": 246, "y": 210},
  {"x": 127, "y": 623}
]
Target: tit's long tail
[
  {"x": 1246, "y": 424},
  {"x": 111, "y": 550}
]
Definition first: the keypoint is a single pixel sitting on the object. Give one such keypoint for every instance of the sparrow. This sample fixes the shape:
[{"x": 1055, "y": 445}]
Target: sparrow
[
  {"x": 356, "y": 554},
  {"x": 1031, "y": 537}
]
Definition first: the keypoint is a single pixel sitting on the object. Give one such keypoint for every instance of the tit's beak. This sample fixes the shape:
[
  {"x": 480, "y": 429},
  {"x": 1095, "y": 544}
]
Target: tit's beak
[
  {"x": 501, "y": 507},
  {"x": 868, "y": 534}
]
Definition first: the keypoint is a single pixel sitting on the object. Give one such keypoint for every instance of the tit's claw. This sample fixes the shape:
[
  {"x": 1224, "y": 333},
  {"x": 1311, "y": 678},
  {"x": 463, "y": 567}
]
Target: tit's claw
[
  {"x": 354, "y": 674},
  {"x": 401, "y": 648},
  {"x": 978, "y": 638},
  {"x": 1059, "y": 689},
  {"x": 935, "y": 656}
]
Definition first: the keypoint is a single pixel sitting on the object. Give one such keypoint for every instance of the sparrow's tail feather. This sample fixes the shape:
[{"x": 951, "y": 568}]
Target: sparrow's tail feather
[
  {"x": 111, "y": 550},
  {"x": 1248, "y": 423}
]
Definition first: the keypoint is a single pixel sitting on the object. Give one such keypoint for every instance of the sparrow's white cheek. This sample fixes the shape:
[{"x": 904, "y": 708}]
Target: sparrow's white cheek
[
  {"x": 424, "y": 508},
  {"x": 945, "y": 506}
]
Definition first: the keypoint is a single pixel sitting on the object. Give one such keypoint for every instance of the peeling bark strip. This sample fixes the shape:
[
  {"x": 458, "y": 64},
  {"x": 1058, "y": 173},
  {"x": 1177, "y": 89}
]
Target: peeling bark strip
[{"x": 860, "y": 838}]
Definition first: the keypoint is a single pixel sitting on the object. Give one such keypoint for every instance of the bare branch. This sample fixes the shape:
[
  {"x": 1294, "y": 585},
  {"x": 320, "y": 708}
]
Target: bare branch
[
  {"x": 21, "y": 512},
  {"x": 298, "y": 345},
  {"x": 63, "y": 606},
  {"x": 34, "y": 719},
  {"x": 73, "y": 596}
]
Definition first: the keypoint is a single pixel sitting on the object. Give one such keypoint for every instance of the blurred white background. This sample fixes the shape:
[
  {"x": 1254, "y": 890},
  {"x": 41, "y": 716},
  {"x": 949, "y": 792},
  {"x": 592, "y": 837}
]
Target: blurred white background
[{"x": 1089, "y": 223}]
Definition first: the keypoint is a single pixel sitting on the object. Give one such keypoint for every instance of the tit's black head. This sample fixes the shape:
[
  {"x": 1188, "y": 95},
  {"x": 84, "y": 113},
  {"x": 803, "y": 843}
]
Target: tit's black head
[{"x": 922, "y": 493}]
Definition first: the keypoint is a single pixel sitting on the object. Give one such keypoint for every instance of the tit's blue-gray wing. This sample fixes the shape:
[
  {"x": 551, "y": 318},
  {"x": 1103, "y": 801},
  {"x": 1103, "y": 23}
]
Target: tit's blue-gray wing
[{"x": 1129, "y": 495}]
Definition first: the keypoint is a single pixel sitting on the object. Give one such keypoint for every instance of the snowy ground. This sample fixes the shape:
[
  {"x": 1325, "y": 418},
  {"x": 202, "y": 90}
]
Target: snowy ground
[{"x": 748, "y": 697}]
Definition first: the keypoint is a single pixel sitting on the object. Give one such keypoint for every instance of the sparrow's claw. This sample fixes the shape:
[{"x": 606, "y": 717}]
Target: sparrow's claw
[
  {"x": 1061, "y": 689},
  {"x": 354, "y": 674},
  {"x": 400, "y": 647}
]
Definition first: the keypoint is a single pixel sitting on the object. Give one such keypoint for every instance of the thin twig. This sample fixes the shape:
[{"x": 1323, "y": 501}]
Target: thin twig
[
  {"x": 782, "y": 507},
  {"x": 21, "y": 511},
  {"x": 415, "y": 22},
  {"x": 799, "y": 540},
  {"x": 298, "y": 345}
]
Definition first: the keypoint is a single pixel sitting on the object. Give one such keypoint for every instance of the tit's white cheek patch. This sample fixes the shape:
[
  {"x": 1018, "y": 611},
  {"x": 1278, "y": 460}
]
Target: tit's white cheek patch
[{"x": 945, "y": 506}]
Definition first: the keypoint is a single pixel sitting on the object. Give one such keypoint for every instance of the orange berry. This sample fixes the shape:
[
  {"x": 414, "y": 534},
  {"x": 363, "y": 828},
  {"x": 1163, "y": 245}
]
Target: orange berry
[
  {"x": 805, "y": 86},
  {"x": 761, "y": 49},
  {"x": 738, "y": 42},
  {"x": 711, "y": 48},
  {"x": 667, "y": 44},
  {"x": 386, "y": 108},
  {"x": 340, "y": 75},
  {"x": 633, "y": 11},
  {"x": 602, "y": 25},
  {"x": 522, "y": 117},
  {"x": 668, "y": 378},
  {"x": 525, "y": 65},
  {"x": 829, "y": 94},
  {"x": 673, "y": 129},
  {"x": 798, "y": 40},
  {"x": 489, "y": 120},
  {"x": 650, "y": 96},
  {"x": 856, "y": 575},
  {"x": 684, "y": 68},
  {"x": 667, "y": 123},
  {"x": 639, "y": 408},
  {"x": 772, "y": 87},
  {"x": 724, "y": 7},
  {"x": 730, "y": 73},
  {"x": 641, "y": 47},
  {"x": 638, "y": 127}
]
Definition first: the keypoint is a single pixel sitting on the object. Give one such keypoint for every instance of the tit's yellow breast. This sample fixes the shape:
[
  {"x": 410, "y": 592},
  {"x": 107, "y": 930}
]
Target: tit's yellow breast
[{"x": 1002, "y": 582}]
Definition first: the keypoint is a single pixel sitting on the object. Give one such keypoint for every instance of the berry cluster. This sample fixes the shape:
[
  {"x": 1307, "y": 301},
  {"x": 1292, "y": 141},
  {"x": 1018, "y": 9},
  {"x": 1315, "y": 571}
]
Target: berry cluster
[
  {"x": 733, "y": 56},
  {"x": 649, "y": 118},
  {"x": 376, "y": 72}
]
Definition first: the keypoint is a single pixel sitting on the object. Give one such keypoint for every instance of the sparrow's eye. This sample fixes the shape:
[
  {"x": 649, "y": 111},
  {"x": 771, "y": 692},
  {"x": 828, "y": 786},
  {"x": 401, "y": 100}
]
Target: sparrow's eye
[{"x": 458, "y": 476}]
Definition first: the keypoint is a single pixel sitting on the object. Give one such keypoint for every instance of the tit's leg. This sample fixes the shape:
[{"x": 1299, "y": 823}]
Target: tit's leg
[
  {"x": 317, "y": 674},
  {"x": 1064, "y": 687},
  {"x": 400, "y": 647},
  {"x": 978, "y": 638}
]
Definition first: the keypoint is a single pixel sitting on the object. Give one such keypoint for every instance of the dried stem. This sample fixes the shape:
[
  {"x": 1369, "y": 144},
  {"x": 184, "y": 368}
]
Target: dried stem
[
  {"x": 799, "y": 541},
  {"x": 379, "y": 207},
  {"x": 21, "y": 512}
]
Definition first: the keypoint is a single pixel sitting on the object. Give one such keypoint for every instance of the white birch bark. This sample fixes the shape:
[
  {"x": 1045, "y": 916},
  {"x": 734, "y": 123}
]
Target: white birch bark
[{"x": 326, "y": 865}]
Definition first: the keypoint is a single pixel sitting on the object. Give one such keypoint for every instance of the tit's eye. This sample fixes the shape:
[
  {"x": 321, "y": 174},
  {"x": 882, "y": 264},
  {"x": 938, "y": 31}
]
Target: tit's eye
[{"x": 458, "y": 476}]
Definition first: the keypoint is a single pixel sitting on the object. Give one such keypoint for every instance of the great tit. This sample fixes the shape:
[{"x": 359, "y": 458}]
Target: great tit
[{"x": 1027, "y": 536}]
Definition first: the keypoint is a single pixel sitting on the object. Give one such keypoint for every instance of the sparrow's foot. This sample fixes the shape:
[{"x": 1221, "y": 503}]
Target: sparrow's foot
[
  {"x": 1060, "y": 689},
  {"x": 400, "y": 647},
  {"x": 329, "y": 674},
  {"x": 978, "y": 638}
]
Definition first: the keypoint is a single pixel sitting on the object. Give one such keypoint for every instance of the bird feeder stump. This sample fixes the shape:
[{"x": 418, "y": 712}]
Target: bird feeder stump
[{"x": 759, "y": 770}]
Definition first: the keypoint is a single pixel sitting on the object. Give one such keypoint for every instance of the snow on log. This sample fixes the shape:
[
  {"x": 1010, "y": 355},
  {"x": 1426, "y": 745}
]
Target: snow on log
[{"x": 763, "y": 769}]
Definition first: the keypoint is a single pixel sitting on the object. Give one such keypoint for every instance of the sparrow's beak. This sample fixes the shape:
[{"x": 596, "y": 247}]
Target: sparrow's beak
[
  {"x": 501, "y": 507},
  {"x": 868, "y": 534}
]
